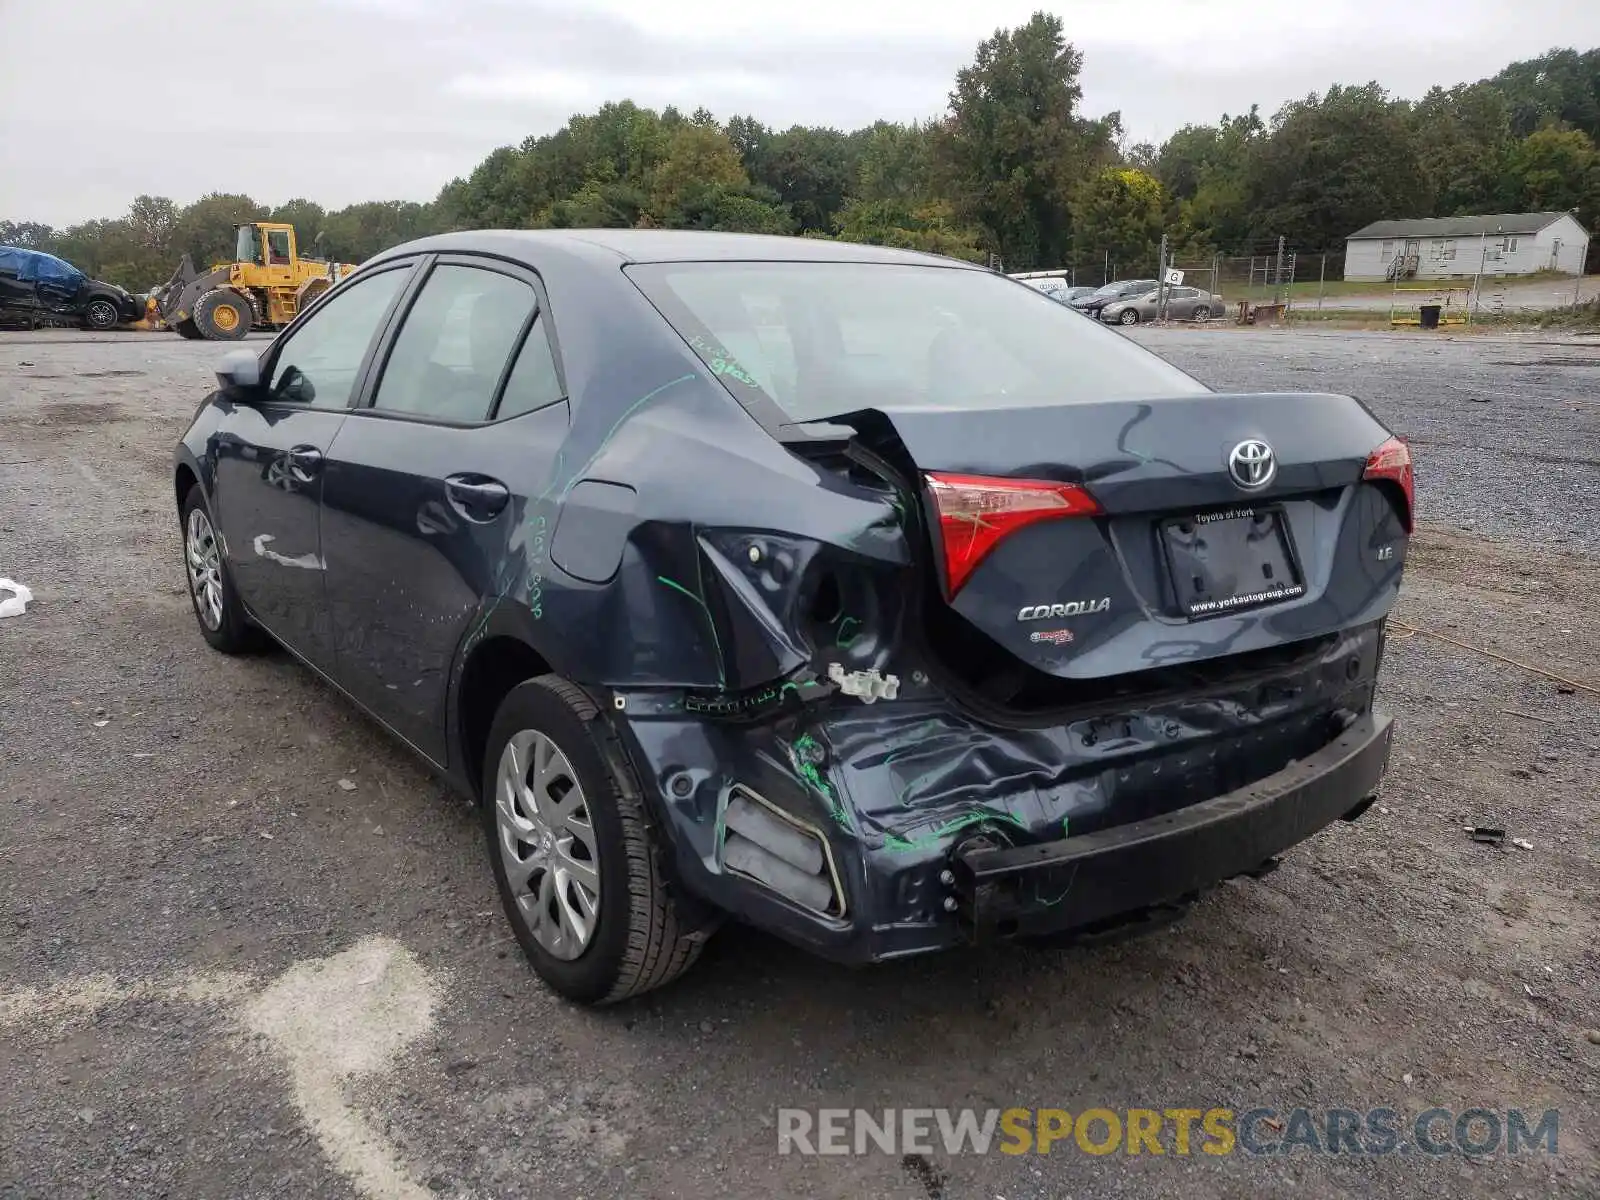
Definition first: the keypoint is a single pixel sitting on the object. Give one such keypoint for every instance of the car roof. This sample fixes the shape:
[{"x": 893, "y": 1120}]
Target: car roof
[{"x": 667, "y": 245}]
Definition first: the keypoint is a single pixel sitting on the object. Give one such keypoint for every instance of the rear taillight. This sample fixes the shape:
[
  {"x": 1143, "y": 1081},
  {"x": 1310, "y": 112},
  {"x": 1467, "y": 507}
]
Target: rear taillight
[
  {"x": 1391, "y": 462},
  {"x": 976, "y": 513}
]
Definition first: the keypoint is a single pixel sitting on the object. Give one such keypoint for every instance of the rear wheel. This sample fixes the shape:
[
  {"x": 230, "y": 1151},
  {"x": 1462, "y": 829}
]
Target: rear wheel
[
  {"x": 573, "y": 850},
  {"x": 100, "y": 314},
  {"x": 1202, "y": 312},
  {"x": 186, "y": 328},
  {"x": 222, "y": 315},
  {"x": 1127, "y": 317},
  {"x": 222, "y": 618}
]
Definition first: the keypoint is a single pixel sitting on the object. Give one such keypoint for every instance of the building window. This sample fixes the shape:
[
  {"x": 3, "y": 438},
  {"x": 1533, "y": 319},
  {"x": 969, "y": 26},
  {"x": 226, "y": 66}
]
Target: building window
[
  {"x": 1512, "y": 245},
  {"x": 1388, "y": 251},
  {"x": 1447, "y": 249}
]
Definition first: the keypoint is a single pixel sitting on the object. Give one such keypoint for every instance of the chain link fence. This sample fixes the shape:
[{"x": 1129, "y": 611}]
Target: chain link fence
[{"x": 1274, "y": 281}]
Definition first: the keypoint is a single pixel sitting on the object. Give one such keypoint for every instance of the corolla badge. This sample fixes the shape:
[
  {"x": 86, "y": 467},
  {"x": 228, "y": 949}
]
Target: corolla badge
[
  {"x": 1073, "y": 608},
  {"x": 1252, "y": 464}
]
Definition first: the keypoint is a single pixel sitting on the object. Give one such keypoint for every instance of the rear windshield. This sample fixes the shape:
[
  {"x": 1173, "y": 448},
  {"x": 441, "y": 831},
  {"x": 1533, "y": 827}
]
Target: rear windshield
[{"x": 823, "y": 339}]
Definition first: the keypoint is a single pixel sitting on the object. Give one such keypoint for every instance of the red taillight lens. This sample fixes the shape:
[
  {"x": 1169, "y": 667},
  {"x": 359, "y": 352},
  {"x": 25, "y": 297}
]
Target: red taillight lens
[
  {"x": 977, "y": 512},
  {"x": 1392, "y": 462}
]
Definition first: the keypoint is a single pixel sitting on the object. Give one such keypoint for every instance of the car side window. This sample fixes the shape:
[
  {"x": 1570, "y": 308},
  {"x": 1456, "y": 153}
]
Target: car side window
[
  {"x": 318, "y": 363},
  {"x": 453, "y": 347},
  {"x": 534, "y": 383}
]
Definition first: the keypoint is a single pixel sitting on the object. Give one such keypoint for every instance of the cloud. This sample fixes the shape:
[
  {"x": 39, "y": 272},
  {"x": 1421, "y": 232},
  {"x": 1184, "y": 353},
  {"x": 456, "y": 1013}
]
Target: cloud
[{"x": 349, "y": 100}]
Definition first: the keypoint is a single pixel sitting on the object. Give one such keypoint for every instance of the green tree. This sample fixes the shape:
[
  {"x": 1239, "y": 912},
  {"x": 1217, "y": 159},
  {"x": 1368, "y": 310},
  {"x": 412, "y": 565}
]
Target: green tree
[
  {"x": 897, "y": 162},
  {"x": 1462, "y": 135},
  {"x": 1014, "y": 144},
  {"x": 204, "y": 229},
  {"x": 1332, "y": 164},
  {"x": 1561, "y": 86},
  {"x": 931, "y": 227},
  {"x": 699, "y": 159},
  {"x": 29, "y": 235},
  {"x": 810, "y": 170},
  {"x": 1120, "y": 212},
  {"x": 1554, "y": 170}
]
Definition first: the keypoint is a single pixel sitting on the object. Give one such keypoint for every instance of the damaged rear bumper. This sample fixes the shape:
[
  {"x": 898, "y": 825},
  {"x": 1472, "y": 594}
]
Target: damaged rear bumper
[
  {"x": 922, "y": 828},
  {"x": 1071, "y": 883}
]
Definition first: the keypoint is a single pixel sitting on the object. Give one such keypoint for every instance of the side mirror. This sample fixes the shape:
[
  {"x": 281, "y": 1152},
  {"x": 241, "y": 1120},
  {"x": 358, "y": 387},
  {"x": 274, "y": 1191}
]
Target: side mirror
[{"x": 239, "y": 371}]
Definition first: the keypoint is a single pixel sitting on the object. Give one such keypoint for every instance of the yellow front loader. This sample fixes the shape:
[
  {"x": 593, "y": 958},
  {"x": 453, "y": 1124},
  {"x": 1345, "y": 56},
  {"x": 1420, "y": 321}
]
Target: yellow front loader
[{"x": 263, "y": 288}]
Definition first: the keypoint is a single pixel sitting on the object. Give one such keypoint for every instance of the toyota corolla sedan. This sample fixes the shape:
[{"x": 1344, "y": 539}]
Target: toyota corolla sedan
[{"x": 868, "y": 597}]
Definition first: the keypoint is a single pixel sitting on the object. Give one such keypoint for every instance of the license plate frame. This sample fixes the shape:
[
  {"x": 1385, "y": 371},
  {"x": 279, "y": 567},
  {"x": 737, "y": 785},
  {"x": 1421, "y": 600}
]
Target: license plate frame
[{"x": 1230, "y": 560}]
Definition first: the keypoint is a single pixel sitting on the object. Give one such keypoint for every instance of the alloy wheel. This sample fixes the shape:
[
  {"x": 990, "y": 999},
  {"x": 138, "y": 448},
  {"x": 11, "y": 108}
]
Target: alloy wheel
[
  {"x": 547, "y": 844},
  {"x": 204, "y": 559}
]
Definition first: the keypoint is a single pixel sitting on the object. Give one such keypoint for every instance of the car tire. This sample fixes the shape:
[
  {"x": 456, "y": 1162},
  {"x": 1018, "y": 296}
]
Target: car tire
[
  {"x": 186, "y": 329},
  {"x": 592, "y": 802},
  {"x": 1127, "y": 317},
  {"x": 1202, "y": 312},
  {"x": 222, "y": 619},
  {"x": 101, "y": 314},
  {"x": 222, "y": 315}
]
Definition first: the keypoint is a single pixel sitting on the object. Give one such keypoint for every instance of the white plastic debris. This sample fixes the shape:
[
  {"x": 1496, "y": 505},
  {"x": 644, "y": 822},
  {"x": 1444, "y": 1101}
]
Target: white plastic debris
[
  {"x": 1522, "y": 843},
  {"x": 866, "y": 686},
  {"x": 14, "y": 598}
]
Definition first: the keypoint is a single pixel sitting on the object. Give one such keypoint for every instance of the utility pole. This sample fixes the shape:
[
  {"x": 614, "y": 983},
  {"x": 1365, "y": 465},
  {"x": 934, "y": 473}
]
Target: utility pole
[
  {"x": 1161, "y": 280},
  {"x": 1322, "y": 279},
  {"x": 1105, "y": 271},
  {"x": 1277, "y": 275}
]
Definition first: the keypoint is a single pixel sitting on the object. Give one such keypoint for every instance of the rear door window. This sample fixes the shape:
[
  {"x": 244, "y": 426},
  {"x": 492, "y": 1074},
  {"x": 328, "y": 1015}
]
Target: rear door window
[
  {"x": 534, "y": 382},
  {"x": 455, "y": 343}
]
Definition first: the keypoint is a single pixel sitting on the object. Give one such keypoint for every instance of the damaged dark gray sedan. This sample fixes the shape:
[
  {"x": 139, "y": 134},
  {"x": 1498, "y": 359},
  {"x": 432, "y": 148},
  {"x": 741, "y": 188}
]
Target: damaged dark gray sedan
[{"x": 872, "y": 598}]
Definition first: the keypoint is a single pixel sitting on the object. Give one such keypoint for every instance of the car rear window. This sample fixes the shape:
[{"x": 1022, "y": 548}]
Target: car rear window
[{"x": 823, "y": 339}]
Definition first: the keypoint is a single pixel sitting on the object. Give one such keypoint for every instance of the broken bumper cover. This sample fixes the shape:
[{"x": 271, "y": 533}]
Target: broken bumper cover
[{"x": 1072, "y": 883}]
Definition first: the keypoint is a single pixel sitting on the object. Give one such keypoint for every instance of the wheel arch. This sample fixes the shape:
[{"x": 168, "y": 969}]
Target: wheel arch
[
  {"x": 185, "y": 474},
  {"x": 490, "y": 664}
]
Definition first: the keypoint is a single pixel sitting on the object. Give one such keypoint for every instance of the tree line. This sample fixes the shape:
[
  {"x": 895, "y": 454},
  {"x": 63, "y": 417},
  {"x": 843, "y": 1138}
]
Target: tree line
[{"x": 1013, "y": 172}]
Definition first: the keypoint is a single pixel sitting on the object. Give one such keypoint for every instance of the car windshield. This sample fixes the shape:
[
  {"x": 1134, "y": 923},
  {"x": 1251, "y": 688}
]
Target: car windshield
[{"x": 823, "y": 339}]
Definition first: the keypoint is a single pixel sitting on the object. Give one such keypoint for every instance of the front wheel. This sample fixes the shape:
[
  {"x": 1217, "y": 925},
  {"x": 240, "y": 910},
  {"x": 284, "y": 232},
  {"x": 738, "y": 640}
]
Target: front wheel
[
  {"x": 222, "y": 315},
  {"x": 573, "y": 849},
  {"x": 100, "y": 314},
  {"x": 222, "y": 618},
  {"x": 1127, "y": 317},
  {"x": 1203, "y": 313}
]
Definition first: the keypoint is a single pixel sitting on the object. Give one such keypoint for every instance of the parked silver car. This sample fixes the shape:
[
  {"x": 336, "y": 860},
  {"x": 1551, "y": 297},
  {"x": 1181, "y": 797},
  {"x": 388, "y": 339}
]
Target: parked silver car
[{"x": 1183, "y": 304}]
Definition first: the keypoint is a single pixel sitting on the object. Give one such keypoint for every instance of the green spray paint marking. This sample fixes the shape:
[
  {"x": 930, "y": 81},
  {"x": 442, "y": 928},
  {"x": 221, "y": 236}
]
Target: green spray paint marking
[
  {"x": 809, "y": 772},
  {"x": 721, "y": 362},
  {"x": 839, "y": 638},
  {"x": 710, "y": 621},
  {"x": 898, "y": 844}
]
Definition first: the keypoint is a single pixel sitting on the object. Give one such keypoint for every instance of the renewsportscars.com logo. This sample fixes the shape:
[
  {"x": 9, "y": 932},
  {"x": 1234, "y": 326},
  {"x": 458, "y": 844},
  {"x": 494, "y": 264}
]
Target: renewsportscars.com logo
[{"x": 1435, "y": 1132}]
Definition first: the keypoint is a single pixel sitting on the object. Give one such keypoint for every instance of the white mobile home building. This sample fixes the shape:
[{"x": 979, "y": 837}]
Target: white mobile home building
[{"x": 1462, "y": 247}]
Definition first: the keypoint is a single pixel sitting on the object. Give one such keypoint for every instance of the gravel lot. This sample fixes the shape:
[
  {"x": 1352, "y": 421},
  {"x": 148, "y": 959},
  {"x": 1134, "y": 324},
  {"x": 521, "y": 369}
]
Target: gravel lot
[{"x": 225, "y": 973}]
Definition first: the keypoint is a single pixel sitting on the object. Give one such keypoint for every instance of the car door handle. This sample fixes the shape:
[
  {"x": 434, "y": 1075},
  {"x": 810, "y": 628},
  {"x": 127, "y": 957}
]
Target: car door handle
[
  {"x": 304, "y": 462},
  {"x": 477, "y": 497}
]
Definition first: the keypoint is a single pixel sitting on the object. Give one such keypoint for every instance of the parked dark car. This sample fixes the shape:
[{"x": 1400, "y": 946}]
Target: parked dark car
[
  {"x": 1121, "y": 289},
  {"x": 38, "y": 288},
  {"x": 867, "y": 596}
]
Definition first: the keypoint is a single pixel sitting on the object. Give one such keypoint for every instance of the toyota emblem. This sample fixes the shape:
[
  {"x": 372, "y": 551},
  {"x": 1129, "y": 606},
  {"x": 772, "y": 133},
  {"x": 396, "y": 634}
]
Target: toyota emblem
[{"x": 1252, "y": 465}]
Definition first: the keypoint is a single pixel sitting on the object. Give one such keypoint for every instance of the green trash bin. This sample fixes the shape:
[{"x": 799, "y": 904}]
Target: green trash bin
[{"x": 1430, "y": 315}]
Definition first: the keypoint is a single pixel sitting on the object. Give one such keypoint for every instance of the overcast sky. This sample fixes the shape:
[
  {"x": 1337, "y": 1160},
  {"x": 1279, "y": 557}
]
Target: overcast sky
[{"x": 348, "y": 100}]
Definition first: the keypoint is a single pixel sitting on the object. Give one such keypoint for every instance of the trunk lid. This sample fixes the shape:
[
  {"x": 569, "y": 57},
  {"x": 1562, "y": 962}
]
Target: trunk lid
[{"x": 1216, "y": 525}]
